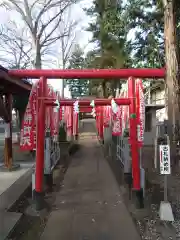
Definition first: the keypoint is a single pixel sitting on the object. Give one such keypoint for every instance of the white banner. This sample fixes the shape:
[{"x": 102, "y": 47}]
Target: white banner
[{"x": 140, "y": 111}]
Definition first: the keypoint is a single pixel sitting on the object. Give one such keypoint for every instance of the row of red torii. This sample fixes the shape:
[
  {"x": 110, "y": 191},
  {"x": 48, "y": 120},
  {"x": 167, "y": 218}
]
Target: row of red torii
[{"x": 43, "y": 100}]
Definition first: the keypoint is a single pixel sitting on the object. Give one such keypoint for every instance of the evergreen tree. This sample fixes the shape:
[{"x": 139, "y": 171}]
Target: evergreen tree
[
  {"x": 157, "y": 44},
  {"x": 78, "y": 87},
  {"x": 109, "y": 36},
  {"x": 146, "y": 20}
]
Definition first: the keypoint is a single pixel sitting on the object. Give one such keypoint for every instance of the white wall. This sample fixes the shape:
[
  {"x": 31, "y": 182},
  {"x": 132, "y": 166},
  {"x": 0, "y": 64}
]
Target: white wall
[
  {"x": 158, "y": 97},
  {"x": 149, "y": 136}
]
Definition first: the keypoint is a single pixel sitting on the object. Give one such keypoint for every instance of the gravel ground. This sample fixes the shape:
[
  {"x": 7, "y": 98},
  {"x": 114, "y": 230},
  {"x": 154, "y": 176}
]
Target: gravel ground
[{"x": 147, "y": 220}]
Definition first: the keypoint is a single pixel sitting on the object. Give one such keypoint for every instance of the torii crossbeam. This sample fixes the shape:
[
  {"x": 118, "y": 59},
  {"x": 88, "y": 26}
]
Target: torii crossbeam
[{"x": 119, "y": 74}]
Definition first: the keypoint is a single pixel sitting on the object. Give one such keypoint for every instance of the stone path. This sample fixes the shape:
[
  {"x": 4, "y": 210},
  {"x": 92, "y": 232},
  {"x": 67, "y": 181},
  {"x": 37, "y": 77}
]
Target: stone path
[{"x": 89, "y": 206}]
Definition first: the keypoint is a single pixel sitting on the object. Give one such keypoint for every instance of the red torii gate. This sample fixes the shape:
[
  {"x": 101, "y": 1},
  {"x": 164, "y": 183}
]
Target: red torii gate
[{"x": 85, "y": 74}]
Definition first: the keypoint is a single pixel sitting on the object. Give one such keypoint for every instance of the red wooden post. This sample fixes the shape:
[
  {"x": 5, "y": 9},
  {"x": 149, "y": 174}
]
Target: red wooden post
[
  {"x": 40, "y": 145},
  {"x": 133, "y": 134}
]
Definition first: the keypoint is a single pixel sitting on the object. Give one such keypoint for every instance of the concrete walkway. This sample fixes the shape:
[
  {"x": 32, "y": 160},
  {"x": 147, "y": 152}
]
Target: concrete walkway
[{"x": 89, "y": 206}]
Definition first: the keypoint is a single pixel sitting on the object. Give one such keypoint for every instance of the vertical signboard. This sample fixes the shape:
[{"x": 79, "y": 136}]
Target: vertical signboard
[{"x": 165, "y": 164}]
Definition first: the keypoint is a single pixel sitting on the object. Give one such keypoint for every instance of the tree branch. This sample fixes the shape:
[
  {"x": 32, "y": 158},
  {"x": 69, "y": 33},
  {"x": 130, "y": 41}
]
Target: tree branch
[
  {"x": 42, "y": 11},
  {"x": 52, "y": 40},
  {"x": 20, "y": 11},
  {"x": 43, "y": 32},
  {"x": 49, "y": 5},
  {"x": 44, "y": 26},
  {"x": 33, "y": 5},
  {"x": 28, "y": 12},
  {"x": 15, "y": 46}
]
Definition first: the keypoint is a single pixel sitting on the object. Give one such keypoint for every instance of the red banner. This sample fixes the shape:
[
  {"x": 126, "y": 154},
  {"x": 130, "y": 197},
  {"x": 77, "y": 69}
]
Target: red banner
[
  {"x": 75, "y": 123},
  {"x": 49, "y": 109},
  {"x": 55, "y": 117},
  {"x": 28, "y": 128},
  {"x": 117, "y": 122},
  {"x": 125, "y": 112},
  {"x": 60, "y": 113},
  {"x": 140, "y": 111},
  {"x": 107, "y": 113},
  {"x": 68, "y": 119}
]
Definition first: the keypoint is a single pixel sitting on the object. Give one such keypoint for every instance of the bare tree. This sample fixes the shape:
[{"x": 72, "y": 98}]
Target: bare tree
[
  {"x": 14, "y": 44},
  {"x": 67, "y": 29},
  {"x": 41, "y": 20}
]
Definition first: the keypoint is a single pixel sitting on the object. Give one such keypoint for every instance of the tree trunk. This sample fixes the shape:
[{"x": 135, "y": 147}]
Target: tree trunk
[
  {"x": 38, "y": 64},
  {"x": 36, "y": 49},
  {"x": 172, "y": 74},
  {"x": 104, "y": 89}
]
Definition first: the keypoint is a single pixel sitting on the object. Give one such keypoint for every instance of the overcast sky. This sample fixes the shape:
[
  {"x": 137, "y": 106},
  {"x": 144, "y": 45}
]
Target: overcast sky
[{"x": 82, "y": 38}]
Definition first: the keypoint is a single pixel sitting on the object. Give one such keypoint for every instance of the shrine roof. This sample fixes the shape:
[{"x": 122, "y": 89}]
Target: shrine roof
[{"x": 12, "y": 85}]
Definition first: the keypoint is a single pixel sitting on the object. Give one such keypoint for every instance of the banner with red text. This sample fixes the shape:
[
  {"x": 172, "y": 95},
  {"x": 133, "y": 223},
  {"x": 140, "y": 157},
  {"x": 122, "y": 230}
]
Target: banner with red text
[
  {"x": 75, "y": 123},
  {"x": 55, "y": 116},
  {"x": 124, "y": 112},
  {"x": 29, "y": 123},
  {"x": 117, "y": 122},
  {"x": 68, "y": 111},
  {"x": 107, "y": 113},
  {"x": 60, "y": 113},
  {"x": 28, "y": 127},
  {"x": 140, "y": 111}
]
